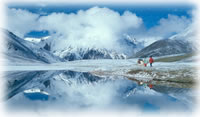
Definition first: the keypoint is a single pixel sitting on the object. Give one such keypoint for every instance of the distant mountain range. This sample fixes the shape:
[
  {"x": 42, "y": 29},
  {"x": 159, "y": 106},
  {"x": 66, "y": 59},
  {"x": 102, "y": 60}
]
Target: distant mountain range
[
  {"x": 31, "y": 50},
  {"x": 71, "y": 54},
  {"x": 76, "y": 53},
  {"x": 177, "y": 44},
  {"x": 40, "y": 50},
  {"x": 165, "y": 47}
]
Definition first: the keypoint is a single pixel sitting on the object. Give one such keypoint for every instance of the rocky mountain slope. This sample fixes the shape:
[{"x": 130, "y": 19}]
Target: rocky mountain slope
[{"x": 19, "y": 50}]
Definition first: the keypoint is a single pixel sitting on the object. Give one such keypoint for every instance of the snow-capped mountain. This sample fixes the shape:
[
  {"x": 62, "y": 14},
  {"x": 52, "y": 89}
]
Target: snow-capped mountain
[
  {"x": 131, "y": 44},
  {"x": 17, "y": 49},
  {"x": 177, "y": 44},
  {"x": 74, "y": 53},
  {"x": 165, "y": 47},
  {"x": 188, "y": 34},
  {"x": 36, "y": 40},
  {"x": 43, "y": 42},
  {"x": 70, "y": 53}
]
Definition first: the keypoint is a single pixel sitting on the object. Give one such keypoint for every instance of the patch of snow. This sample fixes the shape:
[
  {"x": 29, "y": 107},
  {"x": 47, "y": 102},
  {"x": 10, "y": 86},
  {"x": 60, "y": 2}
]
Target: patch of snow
[
  {"x": 36, "y": 40},
  {"x": 35, "y": 91}
]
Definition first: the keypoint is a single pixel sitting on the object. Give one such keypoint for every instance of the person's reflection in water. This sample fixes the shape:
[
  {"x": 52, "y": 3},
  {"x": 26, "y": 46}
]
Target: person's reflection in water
[{"x": 141, "y": 84}]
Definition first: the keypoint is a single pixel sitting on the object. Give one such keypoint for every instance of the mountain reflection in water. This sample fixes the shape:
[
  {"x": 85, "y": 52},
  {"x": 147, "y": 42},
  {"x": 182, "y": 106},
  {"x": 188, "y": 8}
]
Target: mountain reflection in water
[{"x": 82, "y": 90}]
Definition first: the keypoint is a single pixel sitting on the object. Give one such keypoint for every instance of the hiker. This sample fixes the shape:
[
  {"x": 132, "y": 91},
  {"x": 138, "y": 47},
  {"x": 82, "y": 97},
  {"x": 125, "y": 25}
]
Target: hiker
[
  {"x": 151, "y": 61},
  {"x": 150, "y": 86}
]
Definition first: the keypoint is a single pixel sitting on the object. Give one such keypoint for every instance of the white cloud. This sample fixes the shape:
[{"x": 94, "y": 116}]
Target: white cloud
[
  {"x": 20, "y": 21},
  {"x": 170, "y": 25},
  {"x": 95, "y": 27}
]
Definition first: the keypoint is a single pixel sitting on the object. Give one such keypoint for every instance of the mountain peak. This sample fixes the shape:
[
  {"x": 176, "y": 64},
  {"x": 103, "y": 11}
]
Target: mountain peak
[{"x": 74, "y": 53}]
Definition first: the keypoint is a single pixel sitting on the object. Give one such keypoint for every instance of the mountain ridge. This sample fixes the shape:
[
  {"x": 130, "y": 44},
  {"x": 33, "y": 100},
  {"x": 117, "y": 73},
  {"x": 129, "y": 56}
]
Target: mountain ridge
[{"x": 15, "y": 46}]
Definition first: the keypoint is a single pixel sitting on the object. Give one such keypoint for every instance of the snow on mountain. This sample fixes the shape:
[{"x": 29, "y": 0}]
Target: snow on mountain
[
  {"x": 188, "y": 34},
  {"x": 128, "y": 43},
  {"x": 130, "y": 38},
  {"x": 43, "y": 42},
  {"x": 72, "y": 53},
  {"x": 36, "y": 40},
  {"x": 176, "y": 44},
  {"x": 165, "y": 47},
  {"x": 17, "y": 49},
  {"x": 131, "y": 44},
  {"x": 36, "y": 90}
]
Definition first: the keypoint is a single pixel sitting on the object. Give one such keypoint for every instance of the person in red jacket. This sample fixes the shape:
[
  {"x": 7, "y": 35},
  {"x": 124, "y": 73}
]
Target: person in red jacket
[{"x": 151, "y": 61}]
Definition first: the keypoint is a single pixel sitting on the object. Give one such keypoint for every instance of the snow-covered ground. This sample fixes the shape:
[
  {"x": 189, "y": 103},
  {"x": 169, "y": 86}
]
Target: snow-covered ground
[
  {"x": 108, "y": 67},
  {"x": 94, "y": 65}
]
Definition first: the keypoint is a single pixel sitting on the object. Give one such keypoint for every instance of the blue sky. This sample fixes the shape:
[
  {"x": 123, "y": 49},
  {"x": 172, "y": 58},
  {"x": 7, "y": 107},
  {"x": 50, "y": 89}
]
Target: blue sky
[{"x": 150, "y": 14}]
